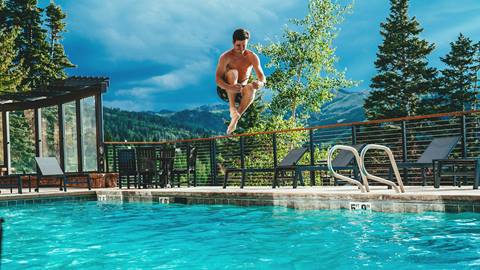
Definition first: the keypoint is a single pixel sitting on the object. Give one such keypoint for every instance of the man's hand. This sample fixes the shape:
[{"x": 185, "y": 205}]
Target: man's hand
[
  {"x": 237, "y": 88},
  {"x": 257, "y": 84}
]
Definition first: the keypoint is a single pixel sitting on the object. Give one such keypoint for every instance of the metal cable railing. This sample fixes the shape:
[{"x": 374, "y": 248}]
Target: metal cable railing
[{"x": 407, "y": 137}]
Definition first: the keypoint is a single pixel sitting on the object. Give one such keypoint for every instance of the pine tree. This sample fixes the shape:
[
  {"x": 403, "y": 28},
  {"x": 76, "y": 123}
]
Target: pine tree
[
  {"x": 11, "y": 74},
  {"x": 476, "y": 60},
  {"x": 457, "y": 89},
  {"x": 56, "y": 25},
  {"x": 31, "y": 41},
  {"x": 3, "y": 15},
  {"x": 403, "y": 76}
]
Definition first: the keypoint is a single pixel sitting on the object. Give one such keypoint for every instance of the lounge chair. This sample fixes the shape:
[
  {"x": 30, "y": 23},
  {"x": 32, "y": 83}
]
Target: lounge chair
[
  {"x": 439, "y": 148},
  {"x": 49, "y": 167},
  {"x": 343, "y": 161},
  {"x": 191, "y": 168},
  {"x": 287, "y": 164}
]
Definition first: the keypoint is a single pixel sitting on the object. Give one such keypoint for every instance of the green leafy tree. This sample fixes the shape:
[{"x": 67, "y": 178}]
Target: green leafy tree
[
  {"x": 56, "y": 25},
  {"x": 304, "y": 72},
  {"x": 457, "y": 89},
  {"x": 403, "y": 76}
]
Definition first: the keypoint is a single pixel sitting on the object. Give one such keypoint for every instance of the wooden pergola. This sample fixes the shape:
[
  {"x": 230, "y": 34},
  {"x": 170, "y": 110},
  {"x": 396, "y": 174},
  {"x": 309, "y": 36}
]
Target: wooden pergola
[{"x": 57, "y": 93}]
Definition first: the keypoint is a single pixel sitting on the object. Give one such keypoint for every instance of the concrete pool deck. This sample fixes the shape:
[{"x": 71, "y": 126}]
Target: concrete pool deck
[{"x": 416, "y": 198}]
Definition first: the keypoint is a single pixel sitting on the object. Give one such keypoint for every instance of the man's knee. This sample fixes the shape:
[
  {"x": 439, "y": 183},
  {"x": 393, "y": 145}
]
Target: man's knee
[{"x": 231, "y": 76}]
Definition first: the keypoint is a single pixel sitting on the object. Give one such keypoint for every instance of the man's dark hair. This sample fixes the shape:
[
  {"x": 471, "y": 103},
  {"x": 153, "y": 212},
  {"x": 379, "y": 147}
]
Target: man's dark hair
[{"x": 240, "y": 34}]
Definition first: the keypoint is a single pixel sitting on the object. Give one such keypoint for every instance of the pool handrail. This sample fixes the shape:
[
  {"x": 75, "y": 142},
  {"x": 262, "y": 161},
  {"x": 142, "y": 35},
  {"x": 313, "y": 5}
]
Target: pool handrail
[
  {"x": 400, "y": 188},
  {"x": 363, "y": 187}
]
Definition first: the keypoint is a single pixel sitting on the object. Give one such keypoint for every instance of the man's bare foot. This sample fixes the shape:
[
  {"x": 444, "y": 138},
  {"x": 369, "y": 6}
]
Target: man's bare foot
[
  {"x": 233, "y": 123},
  {"x": 233, "y": 112}
]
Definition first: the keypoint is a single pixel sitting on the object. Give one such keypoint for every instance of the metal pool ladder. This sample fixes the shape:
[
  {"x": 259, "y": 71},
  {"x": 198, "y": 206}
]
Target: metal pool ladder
[
  {"x": 363, "y": 187},
  {"x": 399, "y": 188},
  {"x": 365, "y": 175}
]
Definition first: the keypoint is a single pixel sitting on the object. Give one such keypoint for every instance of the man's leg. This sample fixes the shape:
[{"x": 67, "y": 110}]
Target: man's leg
[
  {"x": 248, "y": 95},
  {"x": 231, "y": 77}
]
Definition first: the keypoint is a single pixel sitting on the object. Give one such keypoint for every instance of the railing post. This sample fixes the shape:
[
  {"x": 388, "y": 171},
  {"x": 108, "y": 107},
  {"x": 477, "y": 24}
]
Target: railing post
[
  {"x": 213, "y": 161},
  {"x": 463, "y": 131},
  {"x": 105, "y": 156},
  {"x": 114, "y": 154},
  {"x": 312, "y": 158},
  {"x": 404, "y": 142},
  {"x": 242, "y": 160},
  {"x": 354, "y": 134},
  {"x": 274, "y": 144},
  {"x": 404, "y": 150}
]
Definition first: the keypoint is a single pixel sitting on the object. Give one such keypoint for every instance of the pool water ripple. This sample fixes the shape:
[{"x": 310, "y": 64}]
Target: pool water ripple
[{"x": 99, "y": 235}]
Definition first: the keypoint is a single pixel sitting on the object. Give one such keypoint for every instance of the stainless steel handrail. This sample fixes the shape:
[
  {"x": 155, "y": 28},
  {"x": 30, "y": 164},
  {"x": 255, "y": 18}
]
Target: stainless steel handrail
[
  {"x": 399, "y": 188},
  {"x": 363, "y": 187}
]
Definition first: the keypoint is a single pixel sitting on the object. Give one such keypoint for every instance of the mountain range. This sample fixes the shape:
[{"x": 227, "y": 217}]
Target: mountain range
[{"x": 209, "y": 120}]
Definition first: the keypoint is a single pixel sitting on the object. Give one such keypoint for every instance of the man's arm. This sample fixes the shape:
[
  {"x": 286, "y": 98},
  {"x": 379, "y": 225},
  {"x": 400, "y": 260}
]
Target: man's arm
[{"x": 260, "y": 83}]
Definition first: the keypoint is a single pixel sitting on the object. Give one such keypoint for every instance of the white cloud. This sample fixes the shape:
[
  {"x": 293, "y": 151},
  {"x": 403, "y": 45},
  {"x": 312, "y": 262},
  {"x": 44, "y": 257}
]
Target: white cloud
[
  {"x": 131, "y": 105},
  {"x": 190, "y": 74}
]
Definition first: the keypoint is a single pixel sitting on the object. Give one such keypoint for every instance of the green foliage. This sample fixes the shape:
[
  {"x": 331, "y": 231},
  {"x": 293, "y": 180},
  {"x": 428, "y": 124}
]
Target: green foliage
[
  {"x": 458, "y": 80},
  {"x": 11, "y": 74},
  {"x": 403, "y": 76},
  {"x": 31, "y": 41},
  {"x": 56, "y": 25},
  {"x": 22, "y": 141},
  {"x": 304, "y": 62}
]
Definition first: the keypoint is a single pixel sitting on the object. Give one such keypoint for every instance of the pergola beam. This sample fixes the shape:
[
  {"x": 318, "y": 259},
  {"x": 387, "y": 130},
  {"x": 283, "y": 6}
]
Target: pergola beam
[{"x": 56, "y": 94}]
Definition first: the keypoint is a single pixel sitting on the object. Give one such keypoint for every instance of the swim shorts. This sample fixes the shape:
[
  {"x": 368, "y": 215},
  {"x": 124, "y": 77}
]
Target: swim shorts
[{"x": 223, "y": 95}]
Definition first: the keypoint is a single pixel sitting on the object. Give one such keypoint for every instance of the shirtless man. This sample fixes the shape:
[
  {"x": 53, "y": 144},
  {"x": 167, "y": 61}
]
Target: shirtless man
[{"x": 233, "y": 71}]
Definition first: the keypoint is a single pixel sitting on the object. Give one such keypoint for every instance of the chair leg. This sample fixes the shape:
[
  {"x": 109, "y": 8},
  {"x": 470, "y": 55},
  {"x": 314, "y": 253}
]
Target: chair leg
[
  {"x": 64, "y": 183},
  {"x": 128, "y": 181},
  {"x": 20, "y": 184},
  {"x": 295, "y": 175},
  {"x": 424, "y": 177},
  {"x": 242, "y": 183},
  {"x": 477, "y": 175},
  {"x": 89, "y": 182},
  {"x": 225, "y": 179},
  {"x": 274, "y": 182},
  {"x": 37, "y": 189},
  {"x": 194, "y": 178},
  {"x": 61, "y": 183}
]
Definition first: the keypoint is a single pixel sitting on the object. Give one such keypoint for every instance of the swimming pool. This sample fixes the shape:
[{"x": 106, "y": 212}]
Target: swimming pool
[{"x": 98, "y": 235}]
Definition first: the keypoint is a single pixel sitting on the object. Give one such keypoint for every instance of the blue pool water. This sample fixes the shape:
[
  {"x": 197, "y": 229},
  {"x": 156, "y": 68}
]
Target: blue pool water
[{"x": 96, "y": 235}]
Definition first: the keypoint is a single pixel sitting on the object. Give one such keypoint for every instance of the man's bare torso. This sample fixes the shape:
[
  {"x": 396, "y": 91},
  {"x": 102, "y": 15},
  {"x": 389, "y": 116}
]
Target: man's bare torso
[{"x": 242, "y": 63}]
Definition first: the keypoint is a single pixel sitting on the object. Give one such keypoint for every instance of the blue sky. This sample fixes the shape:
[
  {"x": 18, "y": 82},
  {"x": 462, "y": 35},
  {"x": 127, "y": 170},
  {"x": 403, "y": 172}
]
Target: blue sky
[{"x": 162, "y": 54}]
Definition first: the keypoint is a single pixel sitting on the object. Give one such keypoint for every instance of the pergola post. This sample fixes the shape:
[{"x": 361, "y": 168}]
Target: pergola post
[
  {"x": 100, "y": 135},
  {"x": 78, "y": 107},
  {"x": 6, "y": 140},
  {"x": 38, "y": 132},
  {"x": 61, "y": 135}
]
